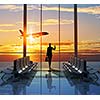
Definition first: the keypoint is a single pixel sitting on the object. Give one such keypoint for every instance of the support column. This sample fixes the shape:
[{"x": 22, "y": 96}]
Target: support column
[
  {"x": 24, "y": 29},
  {"x": 41, "y": 49},
  {"x": 75, "y": 32},
  {"x": 59, "y": 15}
]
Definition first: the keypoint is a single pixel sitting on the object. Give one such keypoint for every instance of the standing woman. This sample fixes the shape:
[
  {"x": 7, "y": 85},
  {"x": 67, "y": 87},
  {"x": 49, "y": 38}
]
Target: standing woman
[{"x": 49, "y": 54}]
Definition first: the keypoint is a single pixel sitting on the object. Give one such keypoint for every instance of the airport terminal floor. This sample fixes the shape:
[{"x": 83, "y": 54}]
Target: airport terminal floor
[{"x": 51, "y": 82}]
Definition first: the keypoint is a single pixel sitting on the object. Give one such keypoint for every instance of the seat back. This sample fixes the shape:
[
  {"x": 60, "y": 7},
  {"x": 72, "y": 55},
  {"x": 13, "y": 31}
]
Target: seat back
[
  {"x": 19, "y": 64},
  {"x": 83, "y": 65},
  {"x": 79, "y": 64}
]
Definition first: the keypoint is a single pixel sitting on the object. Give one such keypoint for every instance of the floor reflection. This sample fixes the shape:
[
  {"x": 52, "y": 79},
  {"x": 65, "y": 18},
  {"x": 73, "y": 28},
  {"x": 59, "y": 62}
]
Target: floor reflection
[
  {"x": 49, "y": 80},
  {"x": 80, "y": 86},
  {"x": 53, "y": 81},
  {"x": 18, "y": 86}
]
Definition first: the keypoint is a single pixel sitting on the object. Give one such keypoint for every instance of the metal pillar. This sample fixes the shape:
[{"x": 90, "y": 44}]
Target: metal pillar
[
  {"x": 41, "y": 49},
  {"x": 75, "y": 32},
  {"x": 59, "y": 28},
  {"x": 41, "y": 37},
  {"x": 25, "y": 29},
  {"x": 59, "y": 43}
]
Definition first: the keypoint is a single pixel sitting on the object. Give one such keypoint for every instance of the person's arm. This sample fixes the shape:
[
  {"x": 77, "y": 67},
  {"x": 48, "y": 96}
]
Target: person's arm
[{"x": 54, "y": 48}]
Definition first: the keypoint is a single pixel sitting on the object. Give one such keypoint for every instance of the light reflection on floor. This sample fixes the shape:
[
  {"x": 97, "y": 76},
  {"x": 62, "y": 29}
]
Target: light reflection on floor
[{"x": 52, "y": 82}]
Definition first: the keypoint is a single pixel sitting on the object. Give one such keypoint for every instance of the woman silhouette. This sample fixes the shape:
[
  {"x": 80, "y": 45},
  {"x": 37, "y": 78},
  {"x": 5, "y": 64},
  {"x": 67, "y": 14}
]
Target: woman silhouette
[{"x": 49, "y": 54}]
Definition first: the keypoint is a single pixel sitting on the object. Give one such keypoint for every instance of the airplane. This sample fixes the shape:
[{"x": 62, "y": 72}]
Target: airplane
[{"x": 34, "y": 35}]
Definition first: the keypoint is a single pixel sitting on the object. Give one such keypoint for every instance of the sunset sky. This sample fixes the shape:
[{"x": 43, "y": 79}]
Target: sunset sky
[{"x": 11, "y": 17}]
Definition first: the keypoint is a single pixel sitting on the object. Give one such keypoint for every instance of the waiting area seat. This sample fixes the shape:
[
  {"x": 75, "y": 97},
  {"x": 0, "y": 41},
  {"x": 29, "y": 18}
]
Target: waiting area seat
[
  {"x": 24, "y": 65},
  {"x": 76, "y": 66},
  {"x": 21, "y": 66}
]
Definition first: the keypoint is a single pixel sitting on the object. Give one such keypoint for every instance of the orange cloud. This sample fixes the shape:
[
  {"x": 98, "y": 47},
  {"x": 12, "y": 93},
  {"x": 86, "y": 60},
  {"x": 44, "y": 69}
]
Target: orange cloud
[
  {"x": 51, "y": 22},
  {"x": 89, "y": 10},
  {"x": 10, "y": 7},
  {"x": 15, "y": 8},
  {"x": 64, "y": 47},
  {"x": 10, "y": 30},
  {"x": 6, "y": 25},
  {"x": 55, "y": 21}
]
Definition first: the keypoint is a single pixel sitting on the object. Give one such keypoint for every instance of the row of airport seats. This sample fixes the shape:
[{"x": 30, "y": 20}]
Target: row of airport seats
[
  {"x": 76, "y": 66},
  {"x": 23, "y": 65}
]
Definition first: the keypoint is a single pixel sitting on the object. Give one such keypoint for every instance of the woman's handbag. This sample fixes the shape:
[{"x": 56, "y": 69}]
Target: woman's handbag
[{"x": 46, "y": 59}]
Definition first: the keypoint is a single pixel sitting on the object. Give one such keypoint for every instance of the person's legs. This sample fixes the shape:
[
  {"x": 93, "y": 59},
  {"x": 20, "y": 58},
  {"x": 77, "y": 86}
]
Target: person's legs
[{"x": 50, "y": 62}]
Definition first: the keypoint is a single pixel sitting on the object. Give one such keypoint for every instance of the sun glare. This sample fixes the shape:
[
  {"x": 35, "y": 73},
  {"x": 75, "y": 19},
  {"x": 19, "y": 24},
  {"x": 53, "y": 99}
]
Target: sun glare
[{"x": 31, "y": 39}]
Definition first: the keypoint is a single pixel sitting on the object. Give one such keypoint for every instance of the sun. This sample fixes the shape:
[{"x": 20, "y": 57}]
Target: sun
[{"x": 31, "y": 39}]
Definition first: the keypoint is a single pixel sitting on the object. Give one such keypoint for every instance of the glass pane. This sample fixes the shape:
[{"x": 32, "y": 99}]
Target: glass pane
[
  {"x": 50, "y": 25},
  {"x": 33, "y": 47},
  {"x": 10, "y": 42},
  {"x": 66, "y": 37},
  {"x": 66, "y": 44},
  {"x": 33, "y": 41},
  {"x": 89, "y": 32}
]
